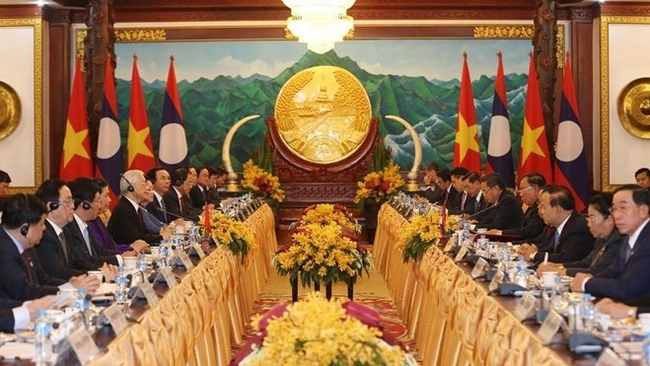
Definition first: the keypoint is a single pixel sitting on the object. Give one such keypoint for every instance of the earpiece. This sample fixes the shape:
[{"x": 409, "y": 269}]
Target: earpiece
[
  {"x": 86, "y": 205},
  {"x": 24, "y": 230},
  {"x": 130, "y": 187},
  {"x": 53, "y": 205}
]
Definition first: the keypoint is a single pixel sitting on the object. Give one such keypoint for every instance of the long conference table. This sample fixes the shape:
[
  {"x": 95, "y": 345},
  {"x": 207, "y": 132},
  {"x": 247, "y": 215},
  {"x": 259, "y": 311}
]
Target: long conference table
[
  {"x": 196, "y": 321},
  {"x": 451, "y": 317}
]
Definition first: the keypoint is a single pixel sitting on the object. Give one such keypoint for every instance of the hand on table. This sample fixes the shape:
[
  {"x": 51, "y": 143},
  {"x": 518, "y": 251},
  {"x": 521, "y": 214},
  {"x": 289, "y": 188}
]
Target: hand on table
[
  {"x": 90, "y": 283},
  {"x": 615, "y": 310},
  {"x": 578, "y": 280},
  {"x": 35, "y": 306}
]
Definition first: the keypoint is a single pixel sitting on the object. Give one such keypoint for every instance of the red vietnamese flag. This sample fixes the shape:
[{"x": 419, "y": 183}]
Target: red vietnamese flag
[
  {"x": 466, "y": 148},
  {"x": 571, "y": 162},
  {"x": 534, "y": 155},
  {"x": 76, "y": 161},
  {"x": 139, "y": 148}
]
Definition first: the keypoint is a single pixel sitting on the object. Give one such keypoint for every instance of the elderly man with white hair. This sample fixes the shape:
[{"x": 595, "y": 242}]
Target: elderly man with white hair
[{"x": 126, "y": 224}]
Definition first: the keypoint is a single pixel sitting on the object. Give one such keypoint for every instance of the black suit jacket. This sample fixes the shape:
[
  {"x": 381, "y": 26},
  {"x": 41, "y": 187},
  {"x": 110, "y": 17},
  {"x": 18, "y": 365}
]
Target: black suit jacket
[
  {"x": 575, "y": 242},
  {"x": 198, "y": 196},
  {"x": 52, "y": 258},
  {"x": 433, "y": 194},
  {"x": 213, "y": 196},
  {"x": 604, "y": 253},
  {"x": 14, "y": 279},
  {"x": 7, "y": 320},
  {"x": 531, "y": 227},
  {"x": 126, "y": 227},
  {"x": 93, "y": 260},
  {"x": 505, "y": 215},
  {"x": 156, "y": 209},
  {"x": 625, "y": 280},
  {"x": 171, "y": 202}
]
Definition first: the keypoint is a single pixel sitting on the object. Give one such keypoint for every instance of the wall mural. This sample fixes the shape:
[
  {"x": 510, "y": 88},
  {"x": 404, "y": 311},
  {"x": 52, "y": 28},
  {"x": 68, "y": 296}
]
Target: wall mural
[{"x": 220, "y": 82}]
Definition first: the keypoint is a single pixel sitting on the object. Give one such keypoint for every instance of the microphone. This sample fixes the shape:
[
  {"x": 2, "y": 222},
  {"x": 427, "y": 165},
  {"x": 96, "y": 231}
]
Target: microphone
[
  {"x": 173, "y": 214},
  {"x": 475, "y": 214}
]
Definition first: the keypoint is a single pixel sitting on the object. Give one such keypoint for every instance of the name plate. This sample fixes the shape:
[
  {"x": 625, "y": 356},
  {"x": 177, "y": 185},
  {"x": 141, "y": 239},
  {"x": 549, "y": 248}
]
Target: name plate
[
  {"x": 461, "y": 254},
  {"x": 525, "y": 306},
  {"x": 497, "y": 280},
  {"x": 187, "y": 262},
  {"x": 609, "y": 358},
  {"x": 450, "y": 244},
  {"x": 479, "y": 268},
  {"x": 115, "y": 316},
  {"x": 149, "y": 293},
  {"x": 199, "y": 250},
  {"x": 83, "y": 345},
  {"x": 550, "y": 326},
  {"x": 169, "y": 277}
]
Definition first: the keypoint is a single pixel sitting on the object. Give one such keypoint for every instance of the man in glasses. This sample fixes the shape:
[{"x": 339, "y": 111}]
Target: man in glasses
[
  {"x": 506, "y": 211},
  {"x": 628, "y": 277}
]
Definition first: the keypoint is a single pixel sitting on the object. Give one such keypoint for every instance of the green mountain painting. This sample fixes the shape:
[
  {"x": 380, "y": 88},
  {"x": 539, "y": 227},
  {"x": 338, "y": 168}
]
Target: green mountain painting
[{"x": 212, "y": 105}]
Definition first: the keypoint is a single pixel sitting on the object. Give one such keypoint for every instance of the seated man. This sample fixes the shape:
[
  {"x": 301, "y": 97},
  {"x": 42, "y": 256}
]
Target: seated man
[
  {"x": 628, "y": 277},
  {"x": 161, "y": 181},
  {"x": 431, "y": 191},
  {"x": 177, "y": 204},
  {"x": 475, "y": 202},
  {"x": 218, "y": 179},
  {"x": 571, "y": 239},
  {"x": 506, "y": 211},
  {"x": 608, "y": 240},
  {"x": 450, "y": 197},
  {"x": 126, "y": 224},
  {"x": 532, "y": 225},
  {"x": 21, "y": 276}
]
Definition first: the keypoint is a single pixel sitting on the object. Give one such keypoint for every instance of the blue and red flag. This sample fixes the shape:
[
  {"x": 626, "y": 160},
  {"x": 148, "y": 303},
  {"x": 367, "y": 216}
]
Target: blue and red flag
[
  {"x": 110, "y": 161},
  {"x": 172, "y": 151},
  {"x": 466, "y": 148},
  {"x": 571, "y": 162},
  {"x": 499, "y": 151}
]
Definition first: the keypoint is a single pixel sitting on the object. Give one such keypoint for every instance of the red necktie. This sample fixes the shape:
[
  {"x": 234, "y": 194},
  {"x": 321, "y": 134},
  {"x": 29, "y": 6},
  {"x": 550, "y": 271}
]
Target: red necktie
[
  {"x": 181, "y": 203},
  {"x": 30, "y": 266}
]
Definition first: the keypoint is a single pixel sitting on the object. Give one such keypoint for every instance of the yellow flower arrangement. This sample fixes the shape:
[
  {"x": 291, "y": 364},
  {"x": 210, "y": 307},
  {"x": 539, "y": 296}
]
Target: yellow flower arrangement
[
  {"x": 227, "y": 231},
  {"x": 260, "y": 182},
  {"x": 317, "y": 332},
  {"x": 324, "y": 248},
  {"x": 421, "y": 232},
  {"x": 380, "y": 185}
]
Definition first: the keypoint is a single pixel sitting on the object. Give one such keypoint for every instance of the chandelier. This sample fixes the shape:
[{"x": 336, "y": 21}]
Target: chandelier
[{"x": 319, "y": 23}]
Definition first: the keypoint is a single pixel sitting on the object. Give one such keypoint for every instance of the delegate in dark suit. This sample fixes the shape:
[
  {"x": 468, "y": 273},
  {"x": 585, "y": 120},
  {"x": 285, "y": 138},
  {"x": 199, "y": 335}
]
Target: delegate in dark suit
[
  {"x": 172, "y": 202},
  {"x": 625, "y": 280},
  {"x": 506, "y": 215},
  {"x": 54, "y": 260},
  {"x": 575, "y": 242},
  {"x": 7, "y": 320},
  {"x": 433, "y": 194},
  {"x": 531, "y": 227},
  {"x": 99, "y": 255},
  {"x": 198, "y": 196},
  {"x": 125, "y": 226},
  {"x": 604, "y": 253},
  {"x": 16, "y": 280},
  {"x": 157, "y": 210}
]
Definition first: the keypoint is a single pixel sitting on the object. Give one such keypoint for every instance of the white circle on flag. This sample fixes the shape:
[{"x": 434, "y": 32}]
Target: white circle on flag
[
  {"x": 109, "y": 138},
  {"x": 499, "y": 144},
  {"x": 569, "y": 141},
  {"x": 173, "y": 145}
]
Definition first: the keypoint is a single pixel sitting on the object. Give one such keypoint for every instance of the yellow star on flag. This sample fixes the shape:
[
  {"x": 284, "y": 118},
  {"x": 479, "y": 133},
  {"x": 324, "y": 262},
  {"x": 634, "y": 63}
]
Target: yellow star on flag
[
  {"x": 529, "y": 141},
  {"x": 73, "y": 144},
  {"x": 136, "y": 143},
  {"x": 466, "y": 137}
]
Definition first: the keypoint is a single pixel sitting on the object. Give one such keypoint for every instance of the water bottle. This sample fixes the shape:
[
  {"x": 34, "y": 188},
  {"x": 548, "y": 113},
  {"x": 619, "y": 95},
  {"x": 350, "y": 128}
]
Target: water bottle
[
  {"x": 142, "y": 264},
  {"x": 43, "y": 347},
  {"x": 121, "y": 295},
  {"x": 521, "y": 273},
  {"x": 645, "y": 358},
  {"x": 588, "y": 312}
]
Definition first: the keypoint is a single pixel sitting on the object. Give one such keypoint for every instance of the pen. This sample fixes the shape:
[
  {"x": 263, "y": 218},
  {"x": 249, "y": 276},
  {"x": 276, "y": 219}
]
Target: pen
[{"x": 546, "y": 258}]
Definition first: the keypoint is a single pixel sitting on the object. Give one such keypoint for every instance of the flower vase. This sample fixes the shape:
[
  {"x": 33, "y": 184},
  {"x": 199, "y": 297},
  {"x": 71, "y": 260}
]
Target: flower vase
[
  {"x": 371, "y": 210},
  {"x": 275, "y": 207}
]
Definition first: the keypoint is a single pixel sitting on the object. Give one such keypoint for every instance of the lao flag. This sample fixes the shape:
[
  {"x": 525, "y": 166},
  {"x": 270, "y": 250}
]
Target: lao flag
[
  {"x": 110, "y": 162},
  {"x": 76, "y": 161},
  {"x": 173, "y": 143},
  {"x": 499, "y": 152},
  {"x": 534, "y": 155},
  {"x": 571, "y": 163},
  {"x": 466, "y": 147},
  {"x": 139, "y": 148}
]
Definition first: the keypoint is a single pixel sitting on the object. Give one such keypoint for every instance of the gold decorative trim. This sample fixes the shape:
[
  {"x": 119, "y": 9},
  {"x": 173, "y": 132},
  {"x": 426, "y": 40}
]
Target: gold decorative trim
[
  {"x": 504, "y": 31},
  {"x": 124, "y": 35},
  {"x": 605, "y": 21},
  {"x": 37, "y": 24},
  {"x": 521, "y": 32}
]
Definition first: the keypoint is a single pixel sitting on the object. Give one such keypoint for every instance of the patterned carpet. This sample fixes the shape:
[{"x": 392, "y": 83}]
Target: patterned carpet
[{"x": 390, "y": 319}]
